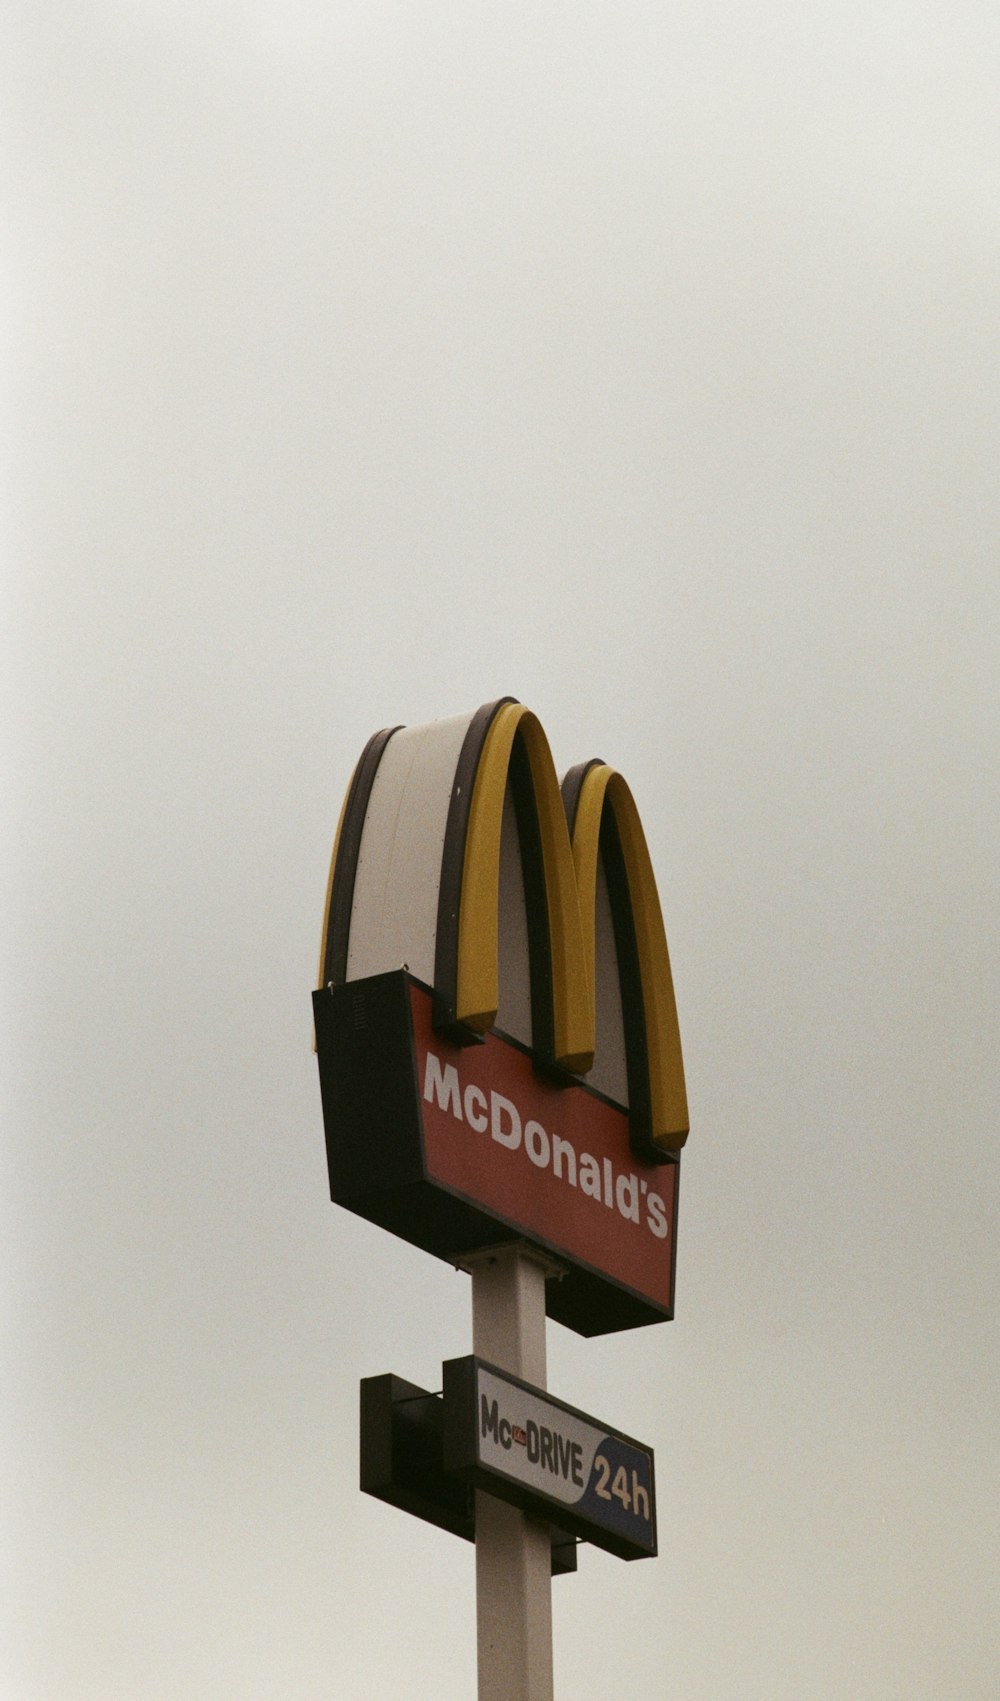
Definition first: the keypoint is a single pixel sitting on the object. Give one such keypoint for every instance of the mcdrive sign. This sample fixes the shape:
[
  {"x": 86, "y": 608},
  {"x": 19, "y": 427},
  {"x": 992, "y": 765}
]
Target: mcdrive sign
[
  {"x": 496, "y": 1029},
  {"x": 518, "y": 1443}
]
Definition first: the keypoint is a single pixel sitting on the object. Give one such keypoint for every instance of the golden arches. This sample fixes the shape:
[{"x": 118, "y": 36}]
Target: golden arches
[
  {"x": 477, "y": 993},
  {"x": 505, "y": 742},
  {"x": 603, "y": 789}
]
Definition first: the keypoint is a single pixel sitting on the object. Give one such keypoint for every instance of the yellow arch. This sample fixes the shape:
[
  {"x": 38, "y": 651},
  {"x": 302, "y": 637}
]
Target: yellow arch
[
  {"x": 603, "y": 788},
  {"x": 477, "y": 990}
]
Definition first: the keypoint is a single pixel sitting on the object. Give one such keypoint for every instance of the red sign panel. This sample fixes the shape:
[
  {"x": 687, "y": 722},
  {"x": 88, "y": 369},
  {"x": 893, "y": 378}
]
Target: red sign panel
[{"x": 553, "y": 1161}]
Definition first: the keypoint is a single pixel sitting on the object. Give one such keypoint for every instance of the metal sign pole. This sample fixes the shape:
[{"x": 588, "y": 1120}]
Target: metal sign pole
[{"x": 513, "y": 1551}]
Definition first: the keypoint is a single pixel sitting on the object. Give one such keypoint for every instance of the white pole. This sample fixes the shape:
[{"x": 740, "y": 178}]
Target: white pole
[{"x": 513, "y": 1551}]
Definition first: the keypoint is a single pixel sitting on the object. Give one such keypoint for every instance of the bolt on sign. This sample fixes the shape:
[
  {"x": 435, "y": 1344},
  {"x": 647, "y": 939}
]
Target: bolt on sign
[{"x": 496, "y": 1028}]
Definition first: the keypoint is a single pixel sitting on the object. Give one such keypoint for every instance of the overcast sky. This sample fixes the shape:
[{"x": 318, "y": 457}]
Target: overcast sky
[{"x": 365, "y": 362}]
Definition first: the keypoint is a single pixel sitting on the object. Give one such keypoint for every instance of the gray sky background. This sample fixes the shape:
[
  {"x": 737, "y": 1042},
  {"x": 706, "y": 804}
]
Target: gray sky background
[{"x": 365, "y": 362}]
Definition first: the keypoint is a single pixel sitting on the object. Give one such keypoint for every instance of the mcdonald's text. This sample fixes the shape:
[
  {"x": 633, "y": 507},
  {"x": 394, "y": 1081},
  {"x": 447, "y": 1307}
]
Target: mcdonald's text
[{"x": 598, "y": 1180}]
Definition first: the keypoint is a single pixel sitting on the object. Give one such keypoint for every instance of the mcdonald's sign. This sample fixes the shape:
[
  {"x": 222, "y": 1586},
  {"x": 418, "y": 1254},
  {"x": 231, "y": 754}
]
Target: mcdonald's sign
[{"x": 496, "y": 1028}]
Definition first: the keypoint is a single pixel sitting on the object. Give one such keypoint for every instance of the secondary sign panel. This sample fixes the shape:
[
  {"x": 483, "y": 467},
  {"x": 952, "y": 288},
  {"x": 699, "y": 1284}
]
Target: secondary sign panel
[{"x": 517, "y": 1442}]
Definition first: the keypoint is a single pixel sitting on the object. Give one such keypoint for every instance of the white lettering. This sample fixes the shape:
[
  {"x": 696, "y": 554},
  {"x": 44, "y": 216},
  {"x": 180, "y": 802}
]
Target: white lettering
[
  {"x": 475, "y": 1109},
  {"x": 442, "y": 1085},
  {"x": 563, "y": 1149},
  {"x": 626, "y": 1196},
  {"x": 511, "y": 1135},
  {"x": 640, "y": 1498},
  {"x": 656, "y": 1216},
  {"x": 590, "y": 1175},
  {"x": 597, "y": 1177},
  {"x": 536, "y": 1144}
]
